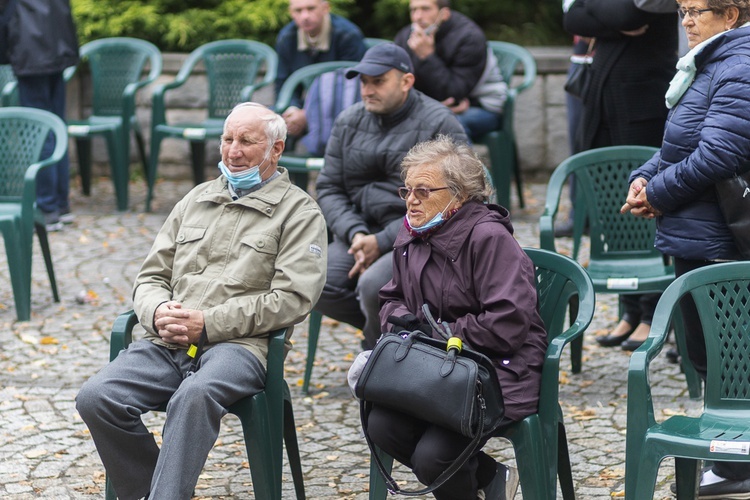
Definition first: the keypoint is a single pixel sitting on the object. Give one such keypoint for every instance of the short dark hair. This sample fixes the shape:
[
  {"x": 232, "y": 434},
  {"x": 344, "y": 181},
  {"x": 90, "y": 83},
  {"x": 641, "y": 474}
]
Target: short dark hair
[{"x": 443, "y": 3}]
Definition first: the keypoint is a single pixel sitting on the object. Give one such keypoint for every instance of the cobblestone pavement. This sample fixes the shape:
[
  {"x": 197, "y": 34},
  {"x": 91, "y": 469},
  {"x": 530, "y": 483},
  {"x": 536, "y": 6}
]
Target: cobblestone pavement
[{"x": 46, "y": 451}]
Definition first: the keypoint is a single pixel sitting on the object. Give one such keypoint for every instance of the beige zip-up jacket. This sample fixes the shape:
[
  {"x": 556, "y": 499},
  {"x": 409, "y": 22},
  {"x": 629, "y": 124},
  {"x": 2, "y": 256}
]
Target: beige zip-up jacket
[{"x": 252, "y": 265}]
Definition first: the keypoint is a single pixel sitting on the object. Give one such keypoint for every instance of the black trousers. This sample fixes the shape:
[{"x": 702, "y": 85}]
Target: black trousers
[
  {"x": 696, "y": 347},
  {"x": 428, "y": 450}
]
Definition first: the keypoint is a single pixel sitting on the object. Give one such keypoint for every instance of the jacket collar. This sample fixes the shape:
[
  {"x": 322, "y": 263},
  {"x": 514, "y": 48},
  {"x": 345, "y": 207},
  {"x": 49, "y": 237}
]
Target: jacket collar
[
  {"x": 452, "y": 237},
  {"x": 401, "y": 113},
  {"x": 264, "y": 200}
]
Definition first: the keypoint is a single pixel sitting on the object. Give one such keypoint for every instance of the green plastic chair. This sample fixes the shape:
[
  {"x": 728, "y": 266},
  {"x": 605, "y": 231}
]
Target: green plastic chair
[
  {"x": 267, "y": 418},
  {"x": 722, "y": 295},
  {"x": 623, "y": 259},
  {"x": 232, "y": 69},
  {"x": 116, "y": 66},
  {"x": 371, "y": 42},
  {"x": 300, "y": 165},
  {"x": 539, "y": 440},
  {"x": 8, "y": 86},
  {"x": 501, "y": 144},
  {"x": 23, "y": 132}
]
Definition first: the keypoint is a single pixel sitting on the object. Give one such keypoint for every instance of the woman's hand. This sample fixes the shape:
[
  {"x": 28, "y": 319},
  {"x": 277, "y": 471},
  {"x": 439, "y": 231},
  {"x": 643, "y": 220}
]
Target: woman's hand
[{"x": 637, "y": 201}]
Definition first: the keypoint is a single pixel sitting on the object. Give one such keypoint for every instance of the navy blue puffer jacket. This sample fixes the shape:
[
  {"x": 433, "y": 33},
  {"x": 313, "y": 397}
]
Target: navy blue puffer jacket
[{"x": 706, "y": 139}]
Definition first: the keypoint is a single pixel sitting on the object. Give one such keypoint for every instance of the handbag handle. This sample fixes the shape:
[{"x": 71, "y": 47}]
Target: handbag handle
[{"x": 394, "y": 488}]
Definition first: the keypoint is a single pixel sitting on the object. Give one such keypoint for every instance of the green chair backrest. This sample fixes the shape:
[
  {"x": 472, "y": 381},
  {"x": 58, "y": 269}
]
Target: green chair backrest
[
  {"x": 23, "y": 132},
  {"x": 231, "y": 66},
  {"x": 115, "y": 64},
  {"x": 602, "y": 177},
  {"x": 8, "y": 90},
  {"x": 558, "y": 279},
  {"x": 509, "y": 57},
  {"x": 371, "y": 42},
  {"x": 303, "y": 78},
  {"x": 722, "y": 295}
]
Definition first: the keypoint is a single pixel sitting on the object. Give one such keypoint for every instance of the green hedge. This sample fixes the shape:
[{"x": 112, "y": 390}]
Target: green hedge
[{"x": 182, "y": 25}]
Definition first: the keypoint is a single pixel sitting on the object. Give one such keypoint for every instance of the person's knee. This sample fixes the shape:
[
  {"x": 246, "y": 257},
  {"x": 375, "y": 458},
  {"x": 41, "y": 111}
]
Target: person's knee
[{"x": 90, "y": 400}]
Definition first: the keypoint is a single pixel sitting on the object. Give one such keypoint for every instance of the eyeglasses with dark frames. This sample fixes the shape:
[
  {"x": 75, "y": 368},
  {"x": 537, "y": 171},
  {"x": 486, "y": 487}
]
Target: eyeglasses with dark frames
[
  {"x": 691, "y": 13},
  {"x": 421, "y": 193}
]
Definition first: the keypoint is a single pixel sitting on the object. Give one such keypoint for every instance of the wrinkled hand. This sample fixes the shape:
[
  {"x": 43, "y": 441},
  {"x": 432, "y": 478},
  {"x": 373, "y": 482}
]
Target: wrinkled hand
[
  {"x": 421, "y": 43},
  {"x": 457, "y": 107},
  {"x": 365, "y": 249},
  {"x": 296, "y": 121},
  {"x": 637, "y": 201},
  {"x": 177, "y": 325}
]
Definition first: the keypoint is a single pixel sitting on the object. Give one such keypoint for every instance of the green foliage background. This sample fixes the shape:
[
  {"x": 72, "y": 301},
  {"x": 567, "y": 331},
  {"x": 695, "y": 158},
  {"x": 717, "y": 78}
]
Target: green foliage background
[{"x": 182, "y": 25}]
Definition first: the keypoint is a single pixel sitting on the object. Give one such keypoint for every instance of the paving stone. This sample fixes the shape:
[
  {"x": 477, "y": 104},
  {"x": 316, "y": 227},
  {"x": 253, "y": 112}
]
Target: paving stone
[{"x": 47, "y": 452}]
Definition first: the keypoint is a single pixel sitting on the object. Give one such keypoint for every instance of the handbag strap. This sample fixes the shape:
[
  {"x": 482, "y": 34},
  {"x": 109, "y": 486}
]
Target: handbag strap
[{"x": 394, "y": 488}]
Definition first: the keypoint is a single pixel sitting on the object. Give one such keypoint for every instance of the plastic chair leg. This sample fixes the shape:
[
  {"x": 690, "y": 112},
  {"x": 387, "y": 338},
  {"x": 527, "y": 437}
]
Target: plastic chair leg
[
  {"x": 292, "y": 447},
  {"x": 576, "y": 346},
  {"x": 141, "y": 143},
  {"x": 20, "y": 271},
  {"x": 378, "y": 490},
  {"x": 153, "y": 164},
  {"x": 648, "y": 468},
  {"x": 109, "y": 490},
  {"x": 687, "y": 478},
  {"x": 41, "y": 233},
  {"x": 313, "y": 332},
  {"x": 517, "y": 173},
  {"x": 83, "y": 146},
  {"x": 564, "y": 470},
  {"x": 259, "y": 450},
  {"x": 198, "y": 149},
  {"x": 119, "y": 162}
]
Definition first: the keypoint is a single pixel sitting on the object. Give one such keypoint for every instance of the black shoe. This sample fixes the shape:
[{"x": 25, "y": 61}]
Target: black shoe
[
  {"x": 673, "y": 356},
  {"x": 725, "y": 489},
  {"x": 503, "y": 486},
  {"x": 614, "y": 340},
  {"x": 631, "y": 345}
]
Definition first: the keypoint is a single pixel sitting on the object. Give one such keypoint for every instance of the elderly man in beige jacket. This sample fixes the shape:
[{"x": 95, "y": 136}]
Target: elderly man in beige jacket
[{"x": 238, "y": 257}]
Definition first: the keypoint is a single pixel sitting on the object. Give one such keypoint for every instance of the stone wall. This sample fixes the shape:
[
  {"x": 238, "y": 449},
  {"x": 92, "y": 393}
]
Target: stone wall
[{"x": 540, "y": 117}]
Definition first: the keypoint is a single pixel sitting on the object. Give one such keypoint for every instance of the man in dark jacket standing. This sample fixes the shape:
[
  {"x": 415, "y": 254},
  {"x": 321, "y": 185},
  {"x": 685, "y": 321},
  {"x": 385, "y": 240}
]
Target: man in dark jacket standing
[
  {"x": 314, "y": 35},
  {"x": 42, "y": 42},
  {"x": 357, "y": 188},
  {"x": 453, "y": 64}
]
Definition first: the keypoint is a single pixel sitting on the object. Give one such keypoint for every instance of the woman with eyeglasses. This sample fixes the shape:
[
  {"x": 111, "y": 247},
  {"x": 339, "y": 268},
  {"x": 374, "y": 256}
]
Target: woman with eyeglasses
[
  {"x": 706, "y": 140},
  {"x": 457, "y": 254}
]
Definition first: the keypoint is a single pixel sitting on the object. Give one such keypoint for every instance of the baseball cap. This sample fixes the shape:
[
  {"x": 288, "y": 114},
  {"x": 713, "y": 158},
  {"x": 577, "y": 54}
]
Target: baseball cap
[{"x": 382, "y": 58}]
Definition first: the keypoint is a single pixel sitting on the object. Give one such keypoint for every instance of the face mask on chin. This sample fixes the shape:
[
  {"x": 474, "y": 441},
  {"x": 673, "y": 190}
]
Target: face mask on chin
[
  {"x": 436, "y": 221},
  {"x": 247, "y": 178}
]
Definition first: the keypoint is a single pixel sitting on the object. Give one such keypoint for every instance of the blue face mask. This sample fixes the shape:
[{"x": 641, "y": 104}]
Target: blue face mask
[
  {"x": 436, "y": 221},
  {"x": 247, "y": 178}
]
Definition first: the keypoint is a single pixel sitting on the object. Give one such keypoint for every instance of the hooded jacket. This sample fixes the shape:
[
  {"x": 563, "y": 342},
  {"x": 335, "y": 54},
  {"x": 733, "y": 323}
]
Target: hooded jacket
[
  {"x": 358, "y": 186},
  {"x": 42, "y": 38},
  {"x": 706, "y": 139},
  {"x": 474, "y": 275}
]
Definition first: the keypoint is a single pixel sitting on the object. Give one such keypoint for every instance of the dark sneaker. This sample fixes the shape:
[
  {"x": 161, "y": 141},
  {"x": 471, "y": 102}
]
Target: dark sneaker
[
  {"x": 503, "y": 486},
  {"x": 52, "y": 221},
  {"x": 66, "y": 217},
  {"x": 673, "y": 356}
]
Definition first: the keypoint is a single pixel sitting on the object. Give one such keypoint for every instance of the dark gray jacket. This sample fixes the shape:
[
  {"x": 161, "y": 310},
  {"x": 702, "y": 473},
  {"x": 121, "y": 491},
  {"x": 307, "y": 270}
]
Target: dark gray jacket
[
  {"x": 357, "y": 188},
  {"x": 42, "y": 38}
]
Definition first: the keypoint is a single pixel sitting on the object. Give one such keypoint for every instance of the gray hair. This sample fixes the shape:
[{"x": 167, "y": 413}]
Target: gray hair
[
  {"x": 464, "y": 173},
  {"x": 275, "y": 126}
]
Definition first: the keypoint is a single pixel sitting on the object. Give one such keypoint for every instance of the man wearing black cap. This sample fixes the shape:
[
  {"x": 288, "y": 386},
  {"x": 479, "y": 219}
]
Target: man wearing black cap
[{"x": 357, "y": 188}]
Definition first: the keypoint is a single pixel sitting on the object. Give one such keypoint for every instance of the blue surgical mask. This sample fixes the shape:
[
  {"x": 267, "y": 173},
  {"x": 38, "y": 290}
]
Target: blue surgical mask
[
  {"x": 247, "y": 178},
  {"x": 436, "y": 221}
]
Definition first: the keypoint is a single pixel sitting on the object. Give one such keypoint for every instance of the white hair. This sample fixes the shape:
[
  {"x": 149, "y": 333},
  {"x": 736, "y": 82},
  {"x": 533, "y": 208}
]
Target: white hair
[{"x": 275, "y": 126}]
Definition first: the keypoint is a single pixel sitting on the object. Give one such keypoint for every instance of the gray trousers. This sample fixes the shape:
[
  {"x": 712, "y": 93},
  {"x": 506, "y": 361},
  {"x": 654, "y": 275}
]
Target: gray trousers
[
  {"x": 354, "y": 301},
  {"x": 141, "y": 379}
]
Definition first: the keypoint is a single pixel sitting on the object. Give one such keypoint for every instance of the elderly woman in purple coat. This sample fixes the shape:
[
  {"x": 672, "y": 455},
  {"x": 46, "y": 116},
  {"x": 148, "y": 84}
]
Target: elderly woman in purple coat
[{"x": 457, "y": 254}]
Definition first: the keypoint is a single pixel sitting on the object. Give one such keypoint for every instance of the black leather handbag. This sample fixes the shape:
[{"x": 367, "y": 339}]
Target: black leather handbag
[
  {"x": 579, "y": 79},
  {"x": 733, "y": 196},
  {"x": 430, "y": 379}
]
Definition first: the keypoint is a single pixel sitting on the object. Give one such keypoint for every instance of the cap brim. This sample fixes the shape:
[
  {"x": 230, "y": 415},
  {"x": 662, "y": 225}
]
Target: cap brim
[{"x": 369, "y": 69}]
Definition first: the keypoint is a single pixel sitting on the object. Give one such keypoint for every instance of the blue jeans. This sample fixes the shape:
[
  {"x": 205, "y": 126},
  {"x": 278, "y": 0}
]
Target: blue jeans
[
  {"x": 478, "y": 121},
  {"x": 47, "y": 92}
]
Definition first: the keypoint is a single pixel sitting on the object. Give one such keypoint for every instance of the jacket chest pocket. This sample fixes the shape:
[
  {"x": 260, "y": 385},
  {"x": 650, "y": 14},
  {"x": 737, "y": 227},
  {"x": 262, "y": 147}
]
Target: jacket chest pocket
[
  {"x": 190, "y": 256},
  {"x": 255, "y": 262}
]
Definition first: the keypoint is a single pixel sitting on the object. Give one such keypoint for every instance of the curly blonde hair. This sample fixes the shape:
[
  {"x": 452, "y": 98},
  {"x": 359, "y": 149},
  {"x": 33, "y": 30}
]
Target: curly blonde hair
[{"x": 464, "y": 173}]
